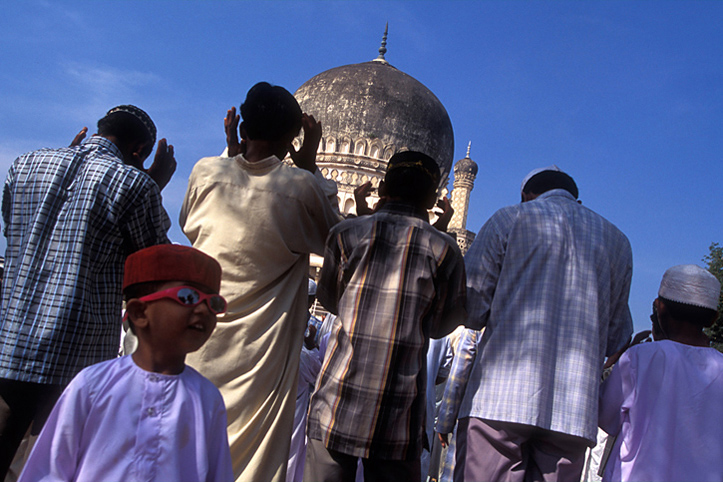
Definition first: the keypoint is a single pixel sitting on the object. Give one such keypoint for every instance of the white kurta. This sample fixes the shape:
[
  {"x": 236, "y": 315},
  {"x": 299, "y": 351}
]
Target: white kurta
[
  {"x": 118, "y": 422},
  {"x": 260, "y": 221},
  {"x": 662, "y": 401}
]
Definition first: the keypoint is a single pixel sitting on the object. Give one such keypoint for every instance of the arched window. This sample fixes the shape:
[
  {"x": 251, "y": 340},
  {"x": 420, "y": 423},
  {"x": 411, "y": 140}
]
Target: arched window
[{"x": 360, "y": 148}]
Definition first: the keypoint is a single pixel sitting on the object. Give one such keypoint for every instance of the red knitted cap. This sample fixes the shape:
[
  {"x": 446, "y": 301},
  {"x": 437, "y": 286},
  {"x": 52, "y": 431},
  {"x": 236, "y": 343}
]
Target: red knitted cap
[{"x": 172, "y": 262}]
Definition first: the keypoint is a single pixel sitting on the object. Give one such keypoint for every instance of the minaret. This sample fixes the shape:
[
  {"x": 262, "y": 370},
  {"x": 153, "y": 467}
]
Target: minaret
[{"x": 465, "y": 172}]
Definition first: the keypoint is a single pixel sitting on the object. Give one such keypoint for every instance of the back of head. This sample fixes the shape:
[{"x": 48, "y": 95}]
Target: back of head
[
  {"x": 412, "y": 177},
  {"x": 270, "y": 112},
  {"x": 128, "y": 124},
  {"x": 548, "y": 179},
  {"x": 691, "y": 294}
]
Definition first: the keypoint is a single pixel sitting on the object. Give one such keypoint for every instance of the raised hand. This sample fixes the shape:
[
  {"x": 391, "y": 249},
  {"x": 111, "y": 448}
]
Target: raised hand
[
  {"x": 305, "y": 157},
  {"x": 164, "y": 164},
  {"x": 360, "y": 198},
  {"x": 79, "y": 137},
  {"x": 445, "y": 216},
  {"x": 230, "y": 125}
]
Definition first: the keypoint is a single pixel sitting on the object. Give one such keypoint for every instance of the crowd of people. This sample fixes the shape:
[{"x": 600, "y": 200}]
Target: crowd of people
[{"x": 429, "y": 365}]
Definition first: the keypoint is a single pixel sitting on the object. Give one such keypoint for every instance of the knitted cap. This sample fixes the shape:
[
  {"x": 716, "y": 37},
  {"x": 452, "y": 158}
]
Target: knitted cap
[
  {"x": 691, "y": 285},
  {"x": 139, "y": 114},
  {"x": 172, "y": 262}
]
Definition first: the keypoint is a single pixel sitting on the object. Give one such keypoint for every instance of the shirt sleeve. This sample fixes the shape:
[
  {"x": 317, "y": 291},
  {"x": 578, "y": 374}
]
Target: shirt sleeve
[
  {"x": 330, "y": 190},
  {"x": 613, "y": 394},
  {"x": 457, "y": 381},
  {"x": 57, "y": 451},
  {"x": 452, "y": 294},
  {"x": 145, "y": 223},
  {"x": 621, "y": 321},
  {"x": 220, "y": 468},
  {"x": 330, "y": 287},
  {"x": 483, "y": 262}
]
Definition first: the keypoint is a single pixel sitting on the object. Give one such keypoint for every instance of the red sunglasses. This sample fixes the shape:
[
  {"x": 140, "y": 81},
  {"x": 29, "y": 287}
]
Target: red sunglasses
[{"x": 190, "y": 297}]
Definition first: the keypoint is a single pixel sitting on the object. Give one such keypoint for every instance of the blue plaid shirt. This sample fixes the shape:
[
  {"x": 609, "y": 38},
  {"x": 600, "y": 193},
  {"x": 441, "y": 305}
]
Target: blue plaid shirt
[
  {"x": 71, "y": 216},
  {"x": 550, "y": 280}
]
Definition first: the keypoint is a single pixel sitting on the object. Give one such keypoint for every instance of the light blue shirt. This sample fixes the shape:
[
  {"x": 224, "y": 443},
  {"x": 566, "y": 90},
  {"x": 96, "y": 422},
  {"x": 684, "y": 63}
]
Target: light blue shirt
[{"x": 550, "y": 280}]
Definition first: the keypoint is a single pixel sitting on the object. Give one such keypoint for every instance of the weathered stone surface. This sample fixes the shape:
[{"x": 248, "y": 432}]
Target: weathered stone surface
[{"x": 371, "y": 110}]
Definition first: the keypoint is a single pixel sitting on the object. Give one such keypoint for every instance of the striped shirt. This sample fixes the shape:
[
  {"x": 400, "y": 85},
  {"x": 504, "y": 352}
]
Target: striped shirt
[
  {"x": 394, "y": 281},
  {"x": 550, "y": 280},
  {"x": 71, "y": 216}
]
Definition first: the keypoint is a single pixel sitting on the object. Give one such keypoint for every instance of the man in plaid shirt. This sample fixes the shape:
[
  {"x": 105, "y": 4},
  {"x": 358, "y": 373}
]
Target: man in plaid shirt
[
  {"x": 71, "y": 216},
  {"x": 549, "y": 279},
  {"x": 394, "y": 281}
]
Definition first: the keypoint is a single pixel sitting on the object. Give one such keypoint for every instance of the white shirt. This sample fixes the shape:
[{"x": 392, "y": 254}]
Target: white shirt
[
  {"x": 118, "y": 422},
  {"x": 663, "y": 401}
]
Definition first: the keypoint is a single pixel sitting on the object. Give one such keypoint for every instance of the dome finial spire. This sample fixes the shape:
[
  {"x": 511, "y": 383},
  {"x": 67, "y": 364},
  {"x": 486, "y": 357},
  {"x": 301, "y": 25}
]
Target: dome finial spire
[
  {"x": 383, "y": 48},
  {"x": 469, "y": 146}
]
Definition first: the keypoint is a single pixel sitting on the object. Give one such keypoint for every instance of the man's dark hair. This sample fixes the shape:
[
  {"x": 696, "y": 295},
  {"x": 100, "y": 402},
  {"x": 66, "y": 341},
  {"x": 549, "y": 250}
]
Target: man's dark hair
[
  {"x": 548, "y": 180},
  {"x": 411, "y": 176},
  {"x": 699, "y": 316},
  {"x": 126, "y": 128},
  {"x": 270, "y": 112}
]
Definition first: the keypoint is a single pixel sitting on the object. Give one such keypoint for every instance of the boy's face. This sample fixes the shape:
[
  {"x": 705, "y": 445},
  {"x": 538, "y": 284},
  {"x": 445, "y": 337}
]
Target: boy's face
[{"x": 176, "y": 327}]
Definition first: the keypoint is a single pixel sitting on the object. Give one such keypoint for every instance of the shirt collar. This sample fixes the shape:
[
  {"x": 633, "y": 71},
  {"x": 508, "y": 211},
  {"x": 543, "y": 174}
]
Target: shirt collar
[
  {"x": 556, "y": 193},
  {"x": 266, "y": 163},
  {"x": 103, "y": 142},
  {"x": 404, "y": 209}
]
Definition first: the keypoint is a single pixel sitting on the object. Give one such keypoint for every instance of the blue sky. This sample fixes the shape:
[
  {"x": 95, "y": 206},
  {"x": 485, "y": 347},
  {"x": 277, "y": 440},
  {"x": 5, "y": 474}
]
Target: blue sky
[{"x": 627, "y": 97}]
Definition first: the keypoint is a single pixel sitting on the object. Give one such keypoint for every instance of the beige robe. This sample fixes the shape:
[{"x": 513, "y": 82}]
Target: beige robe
[{"x": 260, "y": 221}]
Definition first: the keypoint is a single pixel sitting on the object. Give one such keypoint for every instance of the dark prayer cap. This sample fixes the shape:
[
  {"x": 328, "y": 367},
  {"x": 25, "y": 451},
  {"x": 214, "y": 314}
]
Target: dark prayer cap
[{"x": 139, "y": 114}]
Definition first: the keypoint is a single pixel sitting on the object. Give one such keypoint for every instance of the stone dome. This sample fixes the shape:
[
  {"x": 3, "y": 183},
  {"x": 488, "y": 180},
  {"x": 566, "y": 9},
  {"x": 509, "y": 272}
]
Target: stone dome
[
  {"x": 371, "y": 110},
  {"x": 466, "y": 166}
]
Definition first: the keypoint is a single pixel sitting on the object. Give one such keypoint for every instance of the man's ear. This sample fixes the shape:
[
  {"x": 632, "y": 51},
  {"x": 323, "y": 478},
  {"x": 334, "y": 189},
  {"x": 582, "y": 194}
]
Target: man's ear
[
  {"x": 382, "y": 189},
  {"x": 136, "y": 311},
  {"x": 139, "y": 152}
]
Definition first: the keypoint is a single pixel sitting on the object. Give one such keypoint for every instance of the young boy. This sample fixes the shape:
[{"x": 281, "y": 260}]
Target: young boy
[
  {"x": 146, "y": 416},
  {"x": 394, "y": 281},
  {"x": 662, "y": 399}
]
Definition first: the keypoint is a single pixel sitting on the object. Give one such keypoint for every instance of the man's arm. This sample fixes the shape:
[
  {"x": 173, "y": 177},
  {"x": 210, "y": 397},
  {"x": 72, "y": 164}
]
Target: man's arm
[
  {"x": 613, "y": 393},
  {"x": 457, "y": 383},
  {"x": 484, "y": 262},
  {"x": 329, "y": 289},
  {"x": 451, "y": 293},
  {"x": 621, "y": 322},
  {"x": 145, "y": 222},
  {"x": 305, "y": 157}
]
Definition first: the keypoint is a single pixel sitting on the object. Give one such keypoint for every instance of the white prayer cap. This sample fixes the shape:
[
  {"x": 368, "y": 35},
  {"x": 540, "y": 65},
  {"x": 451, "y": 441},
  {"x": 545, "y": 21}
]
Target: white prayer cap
[
  {"x": 537, "y": 171},
  {"x": 691, "y": 285},
  {"x": 312, "y": 287}
]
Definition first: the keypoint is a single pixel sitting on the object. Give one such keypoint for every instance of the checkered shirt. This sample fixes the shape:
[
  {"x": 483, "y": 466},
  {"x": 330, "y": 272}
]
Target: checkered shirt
[
  {"x": 394, "y": 281},
  {"x": 71, "y": 216},
  {"x": 550, "y": 280}
]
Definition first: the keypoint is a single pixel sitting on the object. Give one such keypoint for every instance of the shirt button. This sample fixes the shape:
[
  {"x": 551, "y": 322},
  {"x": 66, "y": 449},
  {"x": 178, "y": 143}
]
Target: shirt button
[
  {"x": 153, "y": 378},
  {"x": 151, "y": 412}
]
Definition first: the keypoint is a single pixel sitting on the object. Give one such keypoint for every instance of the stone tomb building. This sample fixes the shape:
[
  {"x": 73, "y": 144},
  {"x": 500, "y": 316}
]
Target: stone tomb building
[{"x": 370, "y": 111}]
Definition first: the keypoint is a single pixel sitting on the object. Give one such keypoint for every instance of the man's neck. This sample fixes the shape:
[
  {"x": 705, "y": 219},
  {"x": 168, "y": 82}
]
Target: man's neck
[{"x": 258, "y": 150}]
